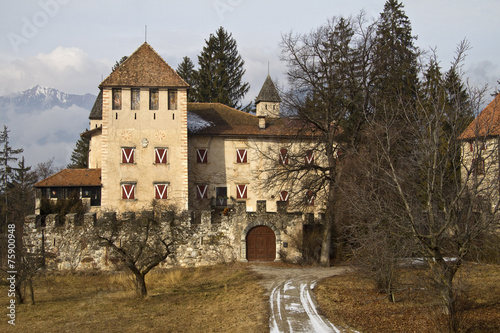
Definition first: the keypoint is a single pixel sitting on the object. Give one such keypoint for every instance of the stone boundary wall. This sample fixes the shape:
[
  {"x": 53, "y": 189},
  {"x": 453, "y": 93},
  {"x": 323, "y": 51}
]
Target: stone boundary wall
[{"x": 216, "y": 237}]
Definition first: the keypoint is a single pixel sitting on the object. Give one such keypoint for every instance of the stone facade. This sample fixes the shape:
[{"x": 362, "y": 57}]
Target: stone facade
[{"x": 215, "y": 236}]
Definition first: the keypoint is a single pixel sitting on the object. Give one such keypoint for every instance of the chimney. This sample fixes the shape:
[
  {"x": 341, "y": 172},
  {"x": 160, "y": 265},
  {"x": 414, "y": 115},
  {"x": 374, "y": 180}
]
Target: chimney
[{"x": 262, "y": 122}]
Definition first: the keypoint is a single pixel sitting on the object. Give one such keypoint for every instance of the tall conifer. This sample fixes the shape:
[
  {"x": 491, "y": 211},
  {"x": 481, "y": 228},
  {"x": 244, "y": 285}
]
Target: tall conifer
[{"x": 220, "y": 76}]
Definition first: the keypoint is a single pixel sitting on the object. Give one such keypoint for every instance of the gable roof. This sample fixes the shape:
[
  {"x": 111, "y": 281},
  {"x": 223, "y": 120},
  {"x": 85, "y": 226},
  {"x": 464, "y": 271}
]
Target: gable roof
[
  {"x": 268, "y": 92},
  {"x": 220, "y": 119},
  {"x": 72, "y": 177},
  {"x": 144, "y": 68},
  {"x": 487, "y": 123}
]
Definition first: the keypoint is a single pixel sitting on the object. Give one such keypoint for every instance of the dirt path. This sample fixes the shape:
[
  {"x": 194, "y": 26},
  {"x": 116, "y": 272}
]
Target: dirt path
[{"x": 293, "y": 306}]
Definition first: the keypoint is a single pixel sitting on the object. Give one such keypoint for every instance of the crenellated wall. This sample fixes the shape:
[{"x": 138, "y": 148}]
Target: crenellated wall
[{"x": 210, "y": 237}]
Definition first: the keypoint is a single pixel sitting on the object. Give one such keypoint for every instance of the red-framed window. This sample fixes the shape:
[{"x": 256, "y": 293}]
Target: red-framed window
[
  {"x": 241, "y": 191},
  {"x": 309, "y": 158},
  {"x": 128, "y": 155},
  {"x": 128, "y": 191},
  {"x": 201, "y": 155},
  {"x": 161, "y": 191},
  {"x": 310, "y": 198},
  {"x": 284, "y": 196},
  {"x": 202, "y": 191},
  {"x": 241, "y": 156},
  {"x": 284, "y": 156},
  {"x": 161, "y": 155}
]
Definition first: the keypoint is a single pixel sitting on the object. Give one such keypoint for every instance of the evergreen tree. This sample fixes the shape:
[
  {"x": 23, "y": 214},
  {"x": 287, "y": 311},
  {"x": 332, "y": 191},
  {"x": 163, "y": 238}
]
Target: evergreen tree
[
  {"x": 118, "y": 63},
  {"x": 7, "y": 155},
  {"x": 80, "y": 155},
  {"x": 395, "y": 57},
  {"x": 219, "y": 78},
  {"x": 187, "y": 72}
]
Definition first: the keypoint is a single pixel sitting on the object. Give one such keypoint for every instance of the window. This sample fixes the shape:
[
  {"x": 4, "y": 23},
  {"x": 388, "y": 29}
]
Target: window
[
  {"x": 128, "y": 155},
  {"x": 310, "y": 198},
  {"x": 161, "y": 155},
  {"x": 128, "y": 191},
  {"x": 309, "y": 159},
  {"x": 284, "y": 196},
  {"x": 241, "y": 156},
  {"x": 154, "y": 99},
  {"x": 471, "y": 146},
  {"x": 241, "y": 191},
  {"x": 201, "y": 191},
  {"x": 135, "y": 99},
  {"x": 478, "y": 166},
  {"x": 172, "y": 99},
  {"x": 221, "y": 196},
  {"x": 161, "y": 191},
  {"x": 201, "y": 156},
  {"x": 117, "y": 99},
  {"x": 284, "y": 156}
]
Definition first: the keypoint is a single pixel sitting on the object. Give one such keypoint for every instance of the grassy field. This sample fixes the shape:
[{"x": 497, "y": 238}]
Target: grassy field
[
  {"x": 211, "y": 299},
  {"x": 228, "y": 298},
  {"x": 353, "y": 301}
]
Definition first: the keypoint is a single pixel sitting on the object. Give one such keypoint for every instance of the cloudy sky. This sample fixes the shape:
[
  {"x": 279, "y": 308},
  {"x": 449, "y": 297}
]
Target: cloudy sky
[{"x": 71, "y": 45}]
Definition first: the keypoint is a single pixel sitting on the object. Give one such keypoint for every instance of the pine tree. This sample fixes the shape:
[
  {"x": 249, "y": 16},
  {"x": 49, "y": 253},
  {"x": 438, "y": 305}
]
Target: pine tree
[
  {"x": 80, "y": 155},
  {"x": 219, "y": 78},
  {"x": 7, "y": 155},
  {"x": 187, "y": 72},
  {"x": 395, "y": 59}
]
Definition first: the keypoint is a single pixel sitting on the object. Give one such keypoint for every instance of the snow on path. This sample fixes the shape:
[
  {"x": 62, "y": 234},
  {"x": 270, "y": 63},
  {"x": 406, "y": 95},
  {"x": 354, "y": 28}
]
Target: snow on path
[{"x": 293, "y": 309}]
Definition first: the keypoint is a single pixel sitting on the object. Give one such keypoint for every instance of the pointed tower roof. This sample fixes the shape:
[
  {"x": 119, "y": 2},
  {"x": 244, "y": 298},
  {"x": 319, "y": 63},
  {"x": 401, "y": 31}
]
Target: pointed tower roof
[
  {"x": 268, "y": 92},
  {"x": 144, "y": 68}
]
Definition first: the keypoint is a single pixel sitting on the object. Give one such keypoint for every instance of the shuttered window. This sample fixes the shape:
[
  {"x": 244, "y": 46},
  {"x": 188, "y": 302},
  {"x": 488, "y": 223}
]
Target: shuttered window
[
  {"x": 128, "y": 191},
  {"x": 241, "y": 191},
  {"x": 310, "y": 198},
  {"x": 309, "y": 158},
  {"x": 128, "y": 155},
  {"x": 201, "y": 155},
  {"x": 284, "y": 196},
  {"x": 161, "y": 191},
  {"x": 202, "y": 191},
  {"x": 284, "y": 156},
  {"x": 161, "y": 155},
  {"x": 241, "y": 156}
]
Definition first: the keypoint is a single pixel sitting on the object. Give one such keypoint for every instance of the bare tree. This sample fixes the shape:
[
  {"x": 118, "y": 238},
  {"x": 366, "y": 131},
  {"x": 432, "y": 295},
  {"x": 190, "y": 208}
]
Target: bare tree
[
  {"x": 328, "y": 76},
  {"x": 141, "y": 241},
  {"x": 442, "y": 201}
]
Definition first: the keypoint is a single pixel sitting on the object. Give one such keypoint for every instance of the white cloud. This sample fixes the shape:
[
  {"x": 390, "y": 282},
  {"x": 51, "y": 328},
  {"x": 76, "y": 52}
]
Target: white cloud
[{"x": 68, "y": 69}]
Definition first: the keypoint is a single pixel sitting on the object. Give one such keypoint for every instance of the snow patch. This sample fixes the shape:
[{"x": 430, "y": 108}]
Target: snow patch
[{"x": 197, "y": 123}]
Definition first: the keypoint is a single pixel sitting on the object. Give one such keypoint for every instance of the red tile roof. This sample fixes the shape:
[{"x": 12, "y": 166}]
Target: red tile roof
[
  {"x": 487, "y": 123},
  {"x": 225, "y": 120},
  {"x": 72, "y": 177},
  {"x": 144, "y": 68}
]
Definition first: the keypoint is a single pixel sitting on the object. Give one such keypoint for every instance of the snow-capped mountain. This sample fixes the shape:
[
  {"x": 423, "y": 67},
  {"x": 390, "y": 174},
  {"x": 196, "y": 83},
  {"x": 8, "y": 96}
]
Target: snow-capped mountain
[{"x": 44, "y": 98}]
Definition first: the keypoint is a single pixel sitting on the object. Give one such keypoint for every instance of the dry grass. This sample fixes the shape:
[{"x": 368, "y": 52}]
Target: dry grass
[
  {"x": 223, "y": 298},
  {"x": 353, "y": 301}
]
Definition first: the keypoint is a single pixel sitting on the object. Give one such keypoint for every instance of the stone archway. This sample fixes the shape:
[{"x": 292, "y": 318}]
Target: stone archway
[{"x": 260, "y": 241}]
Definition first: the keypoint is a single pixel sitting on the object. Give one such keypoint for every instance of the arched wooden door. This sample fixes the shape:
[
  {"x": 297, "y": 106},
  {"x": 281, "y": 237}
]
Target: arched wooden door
[{"x": 261, "y": 244}]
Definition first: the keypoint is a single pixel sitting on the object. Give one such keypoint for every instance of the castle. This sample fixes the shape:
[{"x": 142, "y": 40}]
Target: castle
[{"x": 146, "y": 142}]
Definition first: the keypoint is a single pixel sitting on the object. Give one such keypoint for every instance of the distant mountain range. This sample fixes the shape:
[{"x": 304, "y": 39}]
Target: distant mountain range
[{"x": 44, "y": 98}]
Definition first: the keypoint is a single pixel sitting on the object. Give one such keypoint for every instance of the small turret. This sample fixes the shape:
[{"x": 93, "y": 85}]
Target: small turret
[{"x": 268, "y": 100}]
